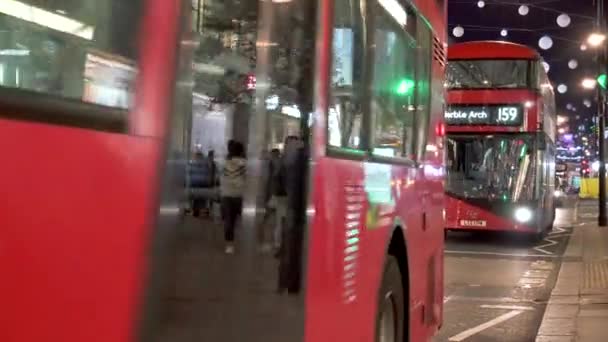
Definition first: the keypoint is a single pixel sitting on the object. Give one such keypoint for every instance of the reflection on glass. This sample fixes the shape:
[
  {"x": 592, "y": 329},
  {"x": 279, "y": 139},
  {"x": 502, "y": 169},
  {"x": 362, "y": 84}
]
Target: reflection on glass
[
  {"x": 253, "y": 87},
  {"x": 78, "y": 50},
  {"x": 486, "y": 74},
  {"x": 494, "y": 167},
  {"x": 347, "y": 93}
]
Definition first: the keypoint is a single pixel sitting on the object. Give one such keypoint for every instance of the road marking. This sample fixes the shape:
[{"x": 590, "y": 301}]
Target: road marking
[
  {"x": 509, "y": 307},
  {"x": 518, "y": 255},
  {"x": 550, "y": 242},
  {"x": 476, "y": 330},
  {"x": 557, "y": 230}
]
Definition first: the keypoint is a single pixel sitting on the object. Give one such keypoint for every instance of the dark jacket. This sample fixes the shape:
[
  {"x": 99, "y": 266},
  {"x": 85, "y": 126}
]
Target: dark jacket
[{"x": 202, "y": 173}]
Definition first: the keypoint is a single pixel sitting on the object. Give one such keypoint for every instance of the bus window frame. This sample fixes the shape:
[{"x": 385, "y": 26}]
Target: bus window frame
[
  {"x": 529, "y": 86},
  {"x": 27, "y": 105},
  {"x": 22, "y": 104}
]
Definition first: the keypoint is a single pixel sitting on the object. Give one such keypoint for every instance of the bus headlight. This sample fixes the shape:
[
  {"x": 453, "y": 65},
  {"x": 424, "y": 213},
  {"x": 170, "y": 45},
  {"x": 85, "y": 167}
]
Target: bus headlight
[{"x": 523, "y": 215}]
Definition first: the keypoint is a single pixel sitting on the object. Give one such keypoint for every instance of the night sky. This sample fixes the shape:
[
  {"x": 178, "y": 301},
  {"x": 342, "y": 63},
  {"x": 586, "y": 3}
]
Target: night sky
[{"x": 486, "y": 24}]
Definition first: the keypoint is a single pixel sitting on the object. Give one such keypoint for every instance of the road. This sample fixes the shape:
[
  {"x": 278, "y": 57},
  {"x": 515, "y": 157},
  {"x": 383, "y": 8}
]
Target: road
[{"x": 497, "y": 285}]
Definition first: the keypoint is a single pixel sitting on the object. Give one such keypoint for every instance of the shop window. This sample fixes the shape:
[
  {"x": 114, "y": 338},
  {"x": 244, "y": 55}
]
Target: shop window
[{"x": 346, "y": 109}]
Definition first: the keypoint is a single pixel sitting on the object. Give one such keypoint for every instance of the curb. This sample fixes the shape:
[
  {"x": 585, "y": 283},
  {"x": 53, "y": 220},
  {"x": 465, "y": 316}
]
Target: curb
[{"x": 559, "y": 320}]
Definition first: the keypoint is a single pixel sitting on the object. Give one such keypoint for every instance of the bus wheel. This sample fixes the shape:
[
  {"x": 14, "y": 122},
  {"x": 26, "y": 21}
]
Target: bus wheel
[{"x": 390, "y": 321}]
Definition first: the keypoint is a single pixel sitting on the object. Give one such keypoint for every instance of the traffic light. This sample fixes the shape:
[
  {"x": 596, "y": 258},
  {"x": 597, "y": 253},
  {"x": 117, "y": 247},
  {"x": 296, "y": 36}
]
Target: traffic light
[
  {"x": 602, "y": 80},
  {"x": 405, "y": 87}
]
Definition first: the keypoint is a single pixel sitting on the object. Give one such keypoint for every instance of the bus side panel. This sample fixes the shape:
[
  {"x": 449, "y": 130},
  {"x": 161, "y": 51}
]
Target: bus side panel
[
  {"x": 344, "y": 275},
  {"x": 340, "y": 206},
  {"x": 73, "y": 232}
]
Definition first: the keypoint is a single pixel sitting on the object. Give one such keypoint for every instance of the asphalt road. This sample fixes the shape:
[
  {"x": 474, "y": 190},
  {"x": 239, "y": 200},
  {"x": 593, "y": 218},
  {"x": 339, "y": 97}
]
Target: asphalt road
[{"x": 497, "y": 285}]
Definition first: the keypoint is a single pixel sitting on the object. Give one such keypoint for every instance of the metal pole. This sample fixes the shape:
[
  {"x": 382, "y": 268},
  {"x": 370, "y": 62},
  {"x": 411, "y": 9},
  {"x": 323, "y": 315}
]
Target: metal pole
[{"x": 601, "y": 112}]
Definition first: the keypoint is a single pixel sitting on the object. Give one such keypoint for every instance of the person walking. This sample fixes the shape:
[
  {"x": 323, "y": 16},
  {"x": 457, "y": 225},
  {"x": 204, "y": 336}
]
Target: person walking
[{"x": 232, "y": 187}]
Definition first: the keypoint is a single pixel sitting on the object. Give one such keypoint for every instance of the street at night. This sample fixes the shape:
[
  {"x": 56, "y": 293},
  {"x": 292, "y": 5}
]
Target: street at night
[{"x": 497, "y": 285}]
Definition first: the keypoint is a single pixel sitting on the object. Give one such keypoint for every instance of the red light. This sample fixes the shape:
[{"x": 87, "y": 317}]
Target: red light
[
  {"x": 440, "y": 129},
  {"x": 251, "y": 82}
]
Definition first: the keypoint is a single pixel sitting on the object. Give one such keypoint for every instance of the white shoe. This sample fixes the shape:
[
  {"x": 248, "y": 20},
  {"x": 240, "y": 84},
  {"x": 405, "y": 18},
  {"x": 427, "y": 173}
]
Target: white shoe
[{"x": 229, "y": 249}]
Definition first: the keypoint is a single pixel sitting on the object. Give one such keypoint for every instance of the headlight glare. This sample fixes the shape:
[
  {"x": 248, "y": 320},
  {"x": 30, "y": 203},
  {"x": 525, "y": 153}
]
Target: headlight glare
[{"x": 523, "y": 215}]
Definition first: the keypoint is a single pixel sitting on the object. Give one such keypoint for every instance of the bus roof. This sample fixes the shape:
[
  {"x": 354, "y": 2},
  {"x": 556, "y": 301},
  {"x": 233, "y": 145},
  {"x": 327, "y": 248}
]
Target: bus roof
[{"x": 491, "y": 49}]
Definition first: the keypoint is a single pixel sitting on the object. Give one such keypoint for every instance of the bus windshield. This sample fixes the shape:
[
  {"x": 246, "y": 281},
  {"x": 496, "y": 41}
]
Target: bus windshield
[
  {"x": 493, "y": 167},
  {"x": 487, "y": 74}
]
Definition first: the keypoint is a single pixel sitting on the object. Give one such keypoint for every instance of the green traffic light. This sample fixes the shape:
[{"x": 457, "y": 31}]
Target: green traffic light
[
  {"x": 405, "y": 87},
  {"x": 602, "y": 80}
]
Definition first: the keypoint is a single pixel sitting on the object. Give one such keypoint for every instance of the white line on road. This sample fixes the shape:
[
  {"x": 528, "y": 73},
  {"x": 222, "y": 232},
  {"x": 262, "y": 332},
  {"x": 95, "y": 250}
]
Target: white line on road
[
  {"x": 519, "y": 255},
  {"x": 470, "y": 332},
  {"x": 548, "y": 244},
  {"x": 557, "y": 230},
  {"x": 508, "y": 307}
]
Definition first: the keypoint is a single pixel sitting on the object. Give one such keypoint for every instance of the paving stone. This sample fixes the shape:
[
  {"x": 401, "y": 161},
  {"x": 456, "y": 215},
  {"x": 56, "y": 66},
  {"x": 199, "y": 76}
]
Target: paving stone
[
  {"x": 561, "y": 310},
  {"x": 558, "y": 327}
]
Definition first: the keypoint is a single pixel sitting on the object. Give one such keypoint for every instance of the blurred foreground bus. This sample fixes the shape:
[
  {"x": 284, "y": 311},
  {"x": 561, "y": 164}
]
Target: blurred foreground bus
[
  {"x": 501, "y": 125},
  {"x": 102, "y": 104}
]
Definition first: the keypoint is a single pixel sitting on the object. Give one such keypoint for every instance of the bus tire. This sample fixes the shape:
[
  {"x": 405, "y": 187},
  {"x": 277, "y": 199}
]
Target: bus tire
[{"x": 390, "y": 315}]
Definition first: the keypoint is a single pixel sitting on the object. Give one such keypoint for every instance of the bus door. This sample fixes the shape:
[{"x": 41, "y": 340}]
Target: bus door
[{"x": 85, "y": 89}]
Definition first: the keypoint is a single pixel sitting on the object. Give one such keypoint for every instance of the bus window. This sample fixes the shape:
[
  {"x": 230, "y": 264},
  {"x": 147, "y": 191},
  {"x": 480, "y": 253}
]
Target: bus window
[
  {"x": 78, "y": 50},
  {"x": 394, "y": 85},
  {"x": 344, "y": 124},
  {"x": 477, "y": 163}
]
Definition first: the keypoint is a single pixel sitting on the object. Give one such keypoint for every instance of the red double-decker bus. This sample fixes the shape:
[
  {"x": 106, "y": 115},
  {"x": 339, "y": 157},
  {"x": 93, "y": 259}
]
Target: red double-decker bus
[
  {"x": 104, "y": 103},
  {"x": 501, "y": 124}
]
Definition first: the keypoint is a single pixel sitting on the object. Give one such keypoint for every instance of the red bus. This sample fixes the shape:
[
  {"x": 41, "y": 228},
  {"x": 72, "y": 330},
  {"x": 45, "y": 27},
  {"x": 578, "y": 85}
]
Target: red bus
[
  {"x": 102, "y": 106},
  {"x": 501, "y": 124}
]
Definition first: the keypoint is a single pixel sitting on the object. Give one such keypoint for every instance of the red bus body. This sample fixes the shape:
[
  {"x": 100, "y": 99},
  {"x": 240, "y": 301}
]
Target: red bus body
[
  {"x": 537, "y": 101},
  {"x": 84, "y": 206}
]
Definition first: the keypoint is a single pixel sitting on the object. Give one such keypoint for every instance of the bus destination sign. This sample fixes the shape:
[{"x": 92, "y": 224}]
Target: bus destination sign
[{"x": 505, "y": 115}]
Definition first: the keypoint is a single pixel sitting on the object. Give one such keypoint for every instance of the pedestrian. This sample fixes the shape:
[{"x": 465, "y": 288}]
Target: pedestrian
[
  {"x": 198, "y": 180},
  {"x": 232, "y": 187},
  {"x": 278, "y": 199}
]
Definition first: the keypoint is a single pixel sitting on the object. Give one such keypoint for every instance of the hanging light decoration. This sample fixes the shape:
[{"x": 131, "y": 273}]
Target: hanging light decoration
[
  {"x": 546, "y": 66},
  {"x": 504, "y": 32},
  {"x": 587, "y": 103},
  {"x": 545, "y": 42},
  {"x": 562, "y": 88},
  {"x": 481, "y": 4},
  {"x": 569, "y": 106},
  {"x": 458, "y": 31},
  {"x": 563, "y": 20},
  {"x": 523, "y": 10},
  {"x": 583, "y": 47},
  {"x": 573, "y": 64}
]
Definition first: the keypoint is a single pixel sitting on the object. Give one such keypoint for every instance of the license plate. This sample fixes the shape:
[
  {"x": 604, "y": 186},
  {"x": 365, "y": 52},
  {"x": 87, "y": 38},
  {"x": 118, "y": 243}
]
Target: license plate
[{"x": 473, "y": 223}]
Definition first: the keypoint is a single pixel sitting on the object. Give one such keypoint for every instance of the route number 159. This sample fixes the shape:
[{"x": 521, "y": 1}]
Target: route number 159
[{"x": 507, "y": 114}]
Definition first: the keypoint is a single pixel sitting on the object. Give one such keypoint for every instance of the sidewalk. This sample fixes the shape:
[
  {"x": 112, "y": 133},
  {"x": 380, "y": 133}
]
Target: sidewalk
[
  {"x": 578, "y": 307},
  {"x": 211, "y": 294}
]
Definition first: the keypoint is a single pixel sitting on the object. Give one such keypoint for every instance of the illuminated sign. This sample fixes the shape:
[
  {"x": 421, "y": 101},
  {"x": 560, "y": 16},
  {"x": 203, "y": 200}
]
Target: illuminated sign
[{"x": 506, "y": 115}]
